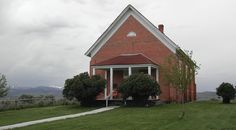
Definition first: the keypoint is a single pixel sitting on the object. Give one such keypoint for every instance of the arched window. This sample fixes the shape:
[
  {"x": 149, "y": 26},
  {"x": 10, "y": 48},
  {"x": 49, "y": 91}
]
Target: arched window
[{"x": 131, "y": 34}]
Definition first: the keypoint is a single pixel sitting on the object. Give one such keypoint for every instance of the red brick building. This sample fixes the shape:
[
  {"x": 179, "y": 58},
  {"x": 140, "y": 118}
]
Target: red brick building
[{"x": 132, "y": 44}]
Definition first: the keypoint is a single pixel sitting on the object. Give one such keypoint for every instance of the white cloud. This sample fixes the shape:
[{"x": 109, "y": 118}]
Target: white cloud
[{"x": 43, "y": 42}]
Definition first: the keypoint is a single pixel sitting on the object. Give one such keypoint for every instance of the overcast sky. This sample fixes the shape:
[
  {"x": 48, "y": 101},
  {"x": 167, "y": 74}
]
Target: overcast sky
[{"x": 42, "y": 42}]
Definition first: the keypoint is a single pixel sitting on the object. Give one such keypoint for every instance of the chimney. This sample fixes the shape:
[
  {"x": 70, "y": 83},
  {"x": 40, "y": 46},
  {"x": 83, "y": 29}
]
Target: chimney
[{"x": 161, "y": 28}]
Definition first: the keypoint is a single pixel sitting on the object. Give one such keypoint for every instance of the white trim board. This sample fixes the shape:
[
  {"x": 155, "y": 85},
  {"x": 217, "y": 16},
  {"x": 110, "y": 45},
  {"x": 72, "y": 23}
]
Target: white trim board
[
  {"x": 124, "y": 66},
  {"x": 130, "y": 11}
]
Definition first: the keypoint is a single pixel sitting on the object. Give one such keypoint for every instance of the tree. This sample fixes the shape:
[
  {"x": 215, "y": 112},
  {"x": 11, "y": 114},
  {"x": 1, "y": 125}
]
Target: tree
[
  {"x": 84, "y": 88},
  {"x": 179, "y": 72},
  {"x": 50, "y": 98},
  {"x": 26, "y": 98},
  {"x": 139, "y": 86},
  {"x": 3, "y": 86},
  {"x": 226, "y": 91}
]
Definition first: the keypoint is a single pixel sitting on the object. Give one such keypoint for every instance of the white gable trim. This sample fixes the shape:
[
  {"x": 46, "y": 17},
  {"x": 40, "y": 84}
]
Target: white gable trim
[{"x": 128, "y": 11}]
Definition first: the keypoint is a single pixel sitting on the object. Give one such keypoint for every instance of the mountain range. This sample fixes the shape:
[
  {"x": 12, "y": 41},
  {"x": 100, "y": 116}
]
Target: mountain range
[
  {"x": 206, "y": 95},
  {"x": 35, "y": 91}
]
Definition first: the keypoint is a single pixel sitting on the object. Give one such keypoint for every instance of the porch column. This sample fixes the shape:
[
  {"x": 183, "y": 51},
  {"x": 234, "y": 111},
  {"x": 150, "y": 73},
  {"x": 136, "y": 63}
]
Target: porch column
[
  {"x": 157, "y": 74},
  {"x": 111, "y": 83},
  {"x": 149, "y": 73},
  {"x": 94, "y": 71},
  {"x": 130, "y": 71},
  {"x": 105, "y": 89},
  {"x": 149, "y": 70},
  {"x": 157, "y": 78}
]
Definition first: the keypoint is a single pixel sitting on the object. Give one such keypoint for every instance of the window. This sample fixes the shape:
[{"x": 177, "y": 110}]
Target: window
[
  {"x": 125, "y": 74},
  {"x": 131, "y": 34}
]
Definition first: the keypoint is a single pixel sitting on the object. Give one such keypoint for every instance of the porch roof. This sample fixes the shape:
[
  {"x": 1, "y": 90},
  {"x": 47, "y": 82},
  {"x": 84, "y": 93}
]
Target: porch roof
[{"x": 126, "y": 59}]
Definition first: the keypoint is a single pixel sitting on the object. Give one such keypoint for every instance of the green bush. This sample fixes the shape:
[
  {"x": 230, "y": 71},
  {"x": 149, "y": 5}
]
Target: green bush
[
  {"x": 139, "y": 86},
  {"x": 50, "y": 99},
  {"x": 84, "y": 88},
  {"x": 26, "y": 98},
  {"x": 226, "y": 91}
]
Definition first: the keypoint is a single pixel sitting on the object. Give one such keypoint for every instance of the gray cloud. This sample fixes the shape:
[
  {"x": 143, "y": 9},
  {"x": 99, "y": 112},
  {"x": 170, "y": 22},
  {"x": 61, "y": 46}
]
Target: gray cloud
[
  {"x": 43, "y": 42},
  {"x": 46, "y": 27}
]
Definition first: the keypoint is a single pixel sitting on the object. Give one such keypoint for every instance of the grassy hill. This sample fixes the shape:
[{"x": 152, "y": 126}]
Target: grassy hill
[{"x": 204, "y": 115}]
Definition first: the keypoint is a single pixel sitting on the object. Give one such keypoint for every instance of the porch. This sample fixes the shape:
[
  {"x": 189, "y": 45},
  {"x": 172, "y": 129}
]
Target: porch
[{"x": 119, "y": 68}]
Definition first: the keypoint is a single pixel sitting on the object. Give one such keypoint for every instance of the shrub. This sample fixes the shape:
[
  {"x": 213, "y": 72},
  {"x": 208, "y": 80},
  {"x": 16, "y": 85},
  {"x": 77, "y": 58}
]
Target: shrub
[
  {"x": 84, "y": 88},
  {"x": 226, "y": 91},
  {"x": 40, "y": 101},
  {"x": 25, "y": 98},
  {"x": 140, "y": 87},
  {"x": 49, "y": 99}
]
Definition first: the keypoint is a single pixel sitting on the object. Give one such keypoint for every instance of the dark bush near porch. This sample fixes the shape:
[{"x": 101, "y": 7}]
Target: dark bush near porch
[
  {"x": 139, "y": 87},
  {"x": 84, "y": 88}
]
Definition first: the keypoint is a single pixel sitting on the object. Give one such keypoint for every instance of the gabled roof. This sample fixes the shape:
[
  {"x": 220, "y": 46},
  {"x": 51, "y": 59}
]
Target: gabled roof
[
  {"x": 128, "y": 11},
  {"x": 127, "y": 59}
]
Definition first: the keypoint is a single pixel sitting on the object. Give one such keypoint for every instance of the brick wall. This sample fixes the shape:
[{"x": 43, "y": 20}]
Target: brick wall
[{"x": 144, "y": 43}]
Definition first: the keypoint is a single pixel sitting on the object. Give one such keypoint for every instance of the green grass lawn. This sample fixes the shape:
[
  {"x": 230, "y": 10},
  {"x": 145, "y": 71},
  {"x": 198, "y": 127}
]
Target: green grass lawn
[
  {"x": 29, "y": 114},
  {"x": 199, "y": 116}
]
